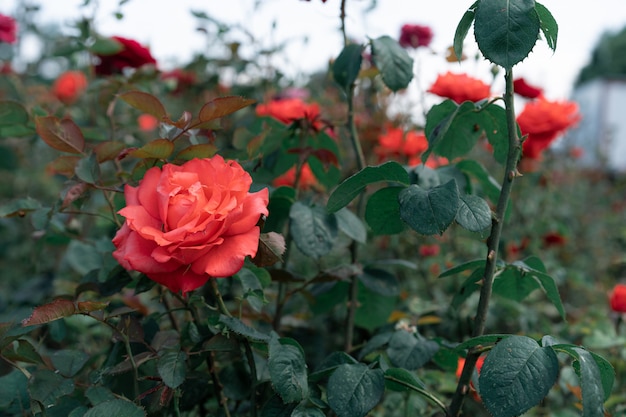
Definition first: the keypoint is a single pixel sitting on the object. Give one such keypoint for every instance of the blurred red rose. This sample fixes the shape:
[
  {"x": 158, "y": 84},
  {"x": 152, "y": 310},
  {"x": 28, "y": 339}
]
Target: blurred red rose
[
  {"x": 543, "y": 121},
  {"x": 290, "y": 110},
  {"x": 397, "y": 143},
  {"x": 183, "y": 79},
  {"x": 460, "y": 87},
  {"x": 576, "y": 152},
  {"x": 429, "y": 250},
  {"x": 618, "y": 298},
  {"x": 554, "y": 239},
  {"x": 133, "y": 55},
  {"x": 306, "y": 181},
  {"x": 186, "y": 224},
  {"x": 8, "y": 29},
  {"x": 147, "y": 122},
  {"x": 479, "y": 366},
  {"x": 69, "y": 86},
  {"x": 414, "y": 36},
  {"x": 521, "y": 87}
]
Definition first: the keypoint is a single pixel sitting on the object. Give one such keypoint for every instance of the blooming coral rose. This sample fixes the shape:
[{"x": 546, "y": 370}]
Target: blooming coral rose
[
  {"x": 414, "y": 36},
  {"x": 521, "y": 87},
  {"x": 543, "y": 121},
  {"x": 396, "y": 143},
  {"x": 289, "y": 110},
  {"x": 460, "y": 87},
  {"x": 132, "y": 55},
  {"x": 306, "y": 181},
  {"x": 618, "y": 298},
  {"x": 8, "y": 29},
  {"x": 186, "y": 224},
  {"x": 69, "y": 86}
]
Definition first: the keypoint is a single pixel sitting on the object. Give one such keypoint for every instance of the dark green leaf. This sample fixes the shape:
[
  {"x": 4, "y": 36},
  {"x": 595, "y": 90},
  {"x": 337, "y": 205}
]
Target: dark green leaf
[
  {"x": 313, "y": 230},
  {"x": 69, "y": 361},
  {"x": 329, "y": 364},
  {"x": 399, "y": 379},
  {"x": 47, "y": 387},
  {"x": 393, "y": 62},
  {"x": 514, "y": 285},
  {"x": 410, "y": 351},
  {"x": 506, "y": 31},
  {"x": 489, "y": 185},
  {"x": 352, "y": 186},
  {"x": 516, "y": 376},
  {"x": 463, "y": 267},
  {"x": 12, "y": 113},
  {"x": 353, "y": 390},
  {"x": 374, "y": 309},
  {"x": 382, "y": 212},
  {"x": 452, "y": 130},
  {"x": 117, "y": 408},
  {"x": 19, "y": 207},
  {"x": 287, "y": 369},
  {"x": 462, "y": 29},
  {"x": 98, "y": 394},
  {"x": 172, "y": 368},
  {"x": 378, "y": 341},
  {"x": 431, "y": 211},
  {"x": 493, "y": 122},
  {"x": 380, "y": 281},
  {"x": 242, "y": 329},
  {"x": 347, "y": 66},
  {"x": 351, "y": 225},
  {"x": 549, "y": 27},
  {"x": 304, "y": 410},
  {"x": 106, "y": 46},
  {"x": 275, "y": 407},
  {"x": 470, "y": 285},
  {"x": 474, "y": 213},
  {"x": 88, "y": 169},
  {"x": 488, "y": 339},
  {"x": 547, "y": 283},
  {"x": 24, "y": 352}
]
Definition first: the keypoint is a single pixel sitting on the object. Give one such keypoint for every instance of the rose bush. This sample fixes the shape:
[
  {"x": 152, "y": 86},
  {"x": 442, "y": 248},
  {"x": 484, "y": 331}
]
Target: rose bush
[{"x": 186, "y": 224}]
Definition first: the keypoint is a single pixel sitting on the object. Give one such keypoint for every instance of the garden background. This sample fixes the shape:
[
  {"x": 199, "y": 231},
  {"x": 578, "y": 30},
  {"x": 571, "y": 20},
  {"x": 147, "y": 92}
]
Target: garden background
[{"x": 84, "y": 114}]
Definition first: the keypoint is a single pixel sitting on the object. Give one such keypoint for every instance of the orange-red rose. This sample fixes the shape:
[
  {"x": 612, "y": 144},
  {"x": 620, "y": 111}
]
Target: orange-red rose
[
  {"x": 521, "y": 87},
  {"x": 132, "y": 55},
  {"x": 69, "y": 86},
  {"x": 543, "y": 121},
  {"x": 289, "y": 110},
  {"x": 460, "y": 87},
  {"x": 306, "y": 181},
  {"x": 479, "y": 366},
  {"x": 618, "y": 298},
  {"x": 186, "y": 224},
  {"x": 147, "y": 122}
]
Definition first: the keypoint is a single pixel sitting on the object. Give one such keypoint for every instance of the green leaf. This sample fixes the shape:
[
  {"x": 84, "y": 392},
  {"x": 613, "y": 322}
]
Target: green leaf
[
  {"x": 329, "y": 364},
  {"x": 493, "y": 122},
  {"x": 287, "y": 369},
  {"x": 98, "y": 394},
  {"x": 146, "y": 103},
  {"x": 313, "y": 230},
  {"x": 547, "y": 283},
  {"x": 243, "y": 329},
  {"x": 351, "y": 225},
  {"x": 488, "y": 339},
  {"x": 374, "y": 309},
  {"x": 516, "y": 376},
  {"x": 69, "y": 361},
  {"x": 13, "y": 391},
  {"x": 410, "y": 351},
  {"x": 63, "y": 135},
  {"x": 462, "y": 29},
  {"x": 347, "y": 66},
  {"x": 401, "y": 380},
  {"x": 474, "y": 213},
  {"x": 463, "y": 267},
  {"x": 19, "y": 207},
  {"x": 375, "y": 343},
  {"x": 393, "y": 62},
  {"x": 172, "y": 368},
  {"x": 47, "y": 387},
  {"x": 24, "y": 352},
  {"x": 380, "y": 281},
  {"x": 549, "y": 27},
  {"x": 158, "y": 149},
  {"x": 452, "y": 130},
  {"x": 106, "y": 46},
  {"x": 117, "y": 408},
  {"x": 275, "y": 407},
  {"x": 304, "y": 410},
  {"x": 88, "y": 169},
  {"x": 353, "y": 390},
  {"x": 12, "y": 113},
  {"x": 352, "y": 186},
  {"x": 431, "y": 211},
  {"x": 511, "y": 283},
  {"x": 506, "y": 30},
  {"x": 489, "y": 185},
  {"x": 382, "y": 212},
  {"x": 470, "y": 285}
]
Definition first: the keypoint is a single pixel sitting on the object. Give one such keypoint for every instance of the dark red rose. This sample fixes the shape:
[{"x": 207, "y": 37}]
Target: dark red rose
[
  {"x": 133, "y": 55},
  {"x": 521, "y": 87},
  {"x": 414, "y": 36}
]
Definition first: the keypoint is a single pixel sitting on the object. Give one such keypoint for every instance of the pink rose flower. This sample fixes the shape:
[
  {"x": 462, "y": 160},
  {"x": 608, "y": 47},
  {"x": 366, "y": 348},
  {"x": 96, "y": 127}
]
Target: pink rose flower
[
  {"x": 186, "y": 224},
  {"x": 414, "y": 36},
  {"x": 8, "y": 29}
]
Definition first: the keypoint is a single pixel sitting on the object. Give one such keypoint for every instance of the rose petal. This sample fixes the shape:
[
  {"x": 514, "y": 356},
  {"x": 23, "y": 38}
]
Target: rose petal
[
  {"x": 227, "y": 259},
  {"x": 146, "y": 192},
  {"x": 253, "y": 206},
  {"x": 182, "y": 279},
  {"x": 135, "y": 253}
]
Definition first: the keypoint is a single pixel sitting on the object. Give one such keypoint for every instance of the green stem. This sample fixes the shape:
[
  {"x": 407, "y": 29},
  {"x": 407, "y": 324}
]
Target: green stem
[
  {"x": 420, "y": 391},
  {"x": 515, "y": 149}
]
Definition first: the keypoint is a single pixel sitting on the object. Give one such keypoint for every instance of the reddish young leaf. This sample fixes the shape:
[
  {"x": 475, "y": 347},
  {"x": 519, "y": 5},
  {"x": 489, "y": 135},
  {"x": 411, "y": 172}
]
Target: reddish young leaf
[
  {"x": 63, "y": 135},
  {"x": 203, "y": 150},
  {"x": 63, "y": 165},
  {"x": 89, "y": 306},
  {"x": 108, "y": 151},
  {"x": 145, "y": 102},
  {"x": 222, "y": 106},
  {"x": 52, "y": 311},
  {"x": 159, "y": 149},
  {"x": 326, "y": 157},
  {"x": 271, "y": 249},
  {"x": 74, "y": 193}
]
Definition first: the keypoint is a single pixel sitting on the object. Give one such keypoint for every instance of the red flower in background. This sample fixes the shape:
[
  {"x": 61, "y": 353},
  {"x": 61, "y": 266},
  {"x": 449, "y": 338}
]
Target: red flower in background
[
  {"x": 132, "y": 55},
  {"x": 543, "y": 121},
  {"x": 460, "y": 87},
  {"x": 69, "y": 86},
  {"x": 188, "y": 223},
  {"x": 479, "y": 366},
  {"x": 147, "y": 122},
  {"x": 414, "y": 36},
  {"x": 399, "y": 144},
  {"x": 183, "y": 79},
  {"x": 554, "y": 239},
  {"x": 429, "y": 250},
  {"x": 618, "y": 298},
  {"x": 306, "y": 181},
  {"x": 521, "y": 87},
  {"x": 290, "y": 110},
  {"x": 8, "y": 29}
]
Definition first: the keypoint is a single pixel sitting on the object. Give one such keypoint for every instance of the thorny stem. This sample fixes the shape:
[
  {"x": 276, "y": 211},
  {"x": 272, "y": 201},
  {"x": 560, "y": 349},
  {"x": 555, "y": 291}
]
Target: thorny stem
[
  {"x": 515, "y": 149},
  {"x": 360, "y": 160}
]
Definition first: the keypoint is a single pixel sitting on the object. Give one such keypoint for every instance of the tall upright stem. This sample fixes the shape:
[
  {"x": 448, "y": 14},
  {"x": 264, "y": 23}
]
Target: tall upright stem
[{"x": 515, "y": 149}]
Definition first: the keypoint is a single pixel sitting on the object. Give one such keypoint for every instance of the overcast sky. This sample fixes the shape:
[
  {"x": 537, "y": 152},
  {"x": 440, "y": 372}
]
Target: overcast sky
[{"x": 171, "y": 32}]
